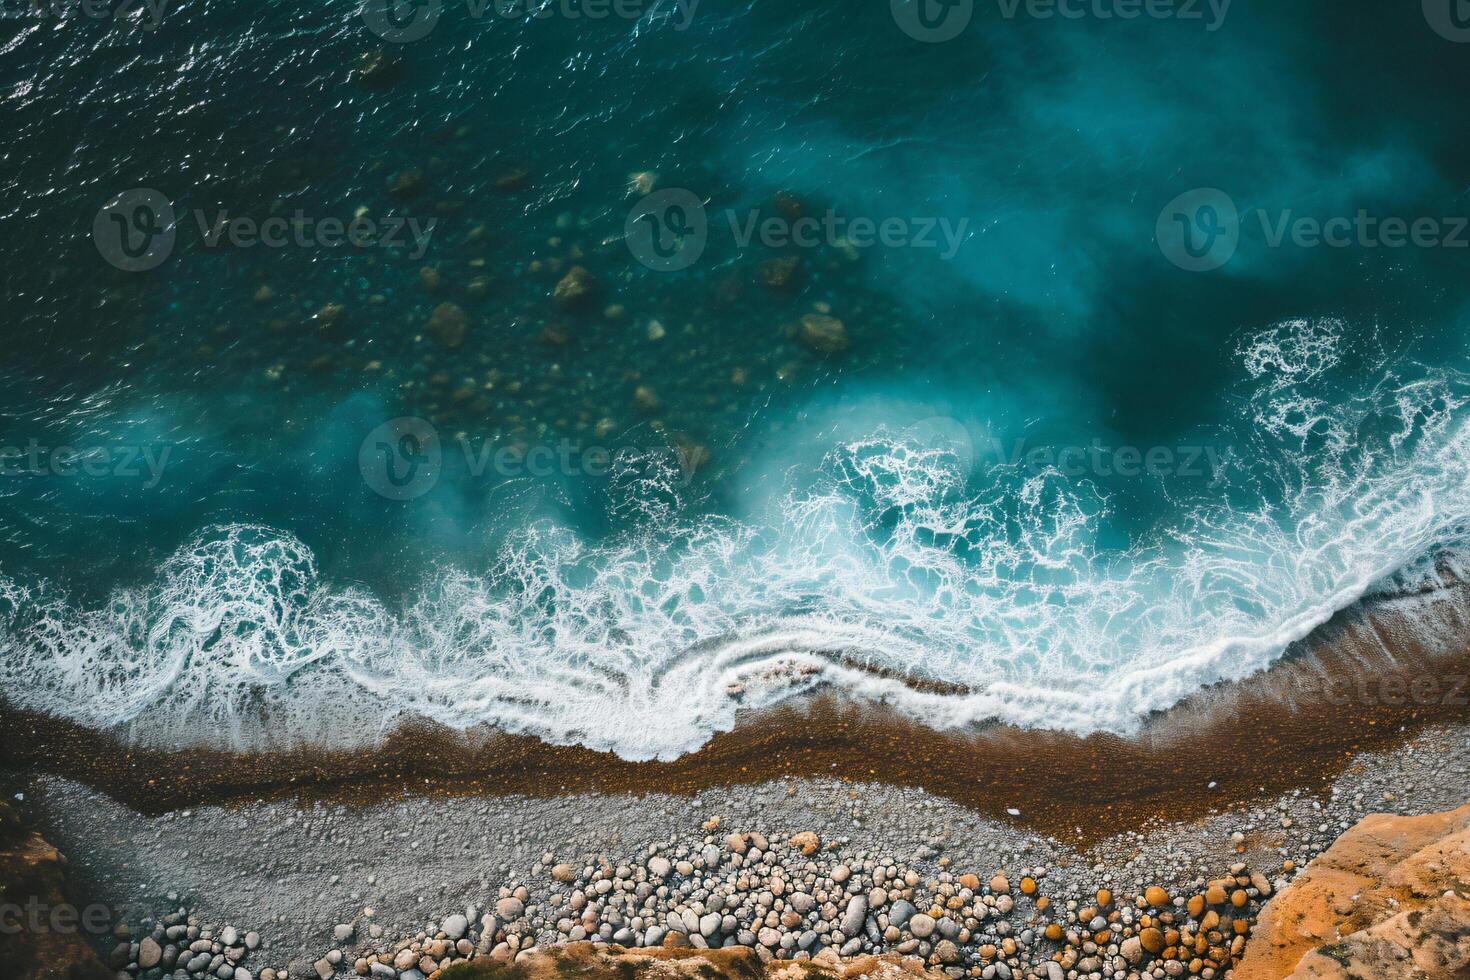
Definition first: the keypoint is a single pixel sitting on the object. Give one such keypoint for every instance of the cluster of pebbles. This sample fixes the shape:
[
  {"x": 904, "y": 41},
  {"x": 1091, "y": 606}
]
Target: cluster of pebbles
[
  {"x": 788, "y": 897},
  {"x": 178, "y": 945}
]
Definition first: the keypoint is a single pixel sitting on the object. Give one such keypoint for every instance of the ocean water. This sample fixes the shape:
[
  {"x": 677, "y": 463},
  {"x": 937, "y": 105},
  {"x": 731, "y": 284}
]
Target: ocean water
[{"x": 1105, "y": 422}]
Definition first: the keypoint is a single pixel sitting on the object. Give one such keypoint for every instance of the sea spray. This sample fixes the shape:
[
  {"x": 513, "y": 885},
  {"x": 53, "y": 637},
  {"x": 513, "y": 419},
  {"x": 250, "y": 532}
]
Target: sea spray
[{"x": 898, "y": 557}]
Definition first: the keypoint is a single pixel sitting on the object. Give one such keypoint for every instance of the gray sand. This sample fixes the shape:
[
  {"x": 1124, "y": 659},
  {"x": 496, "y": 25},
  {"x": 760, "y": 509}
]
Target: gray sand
[{"x": 293, "y": 874}]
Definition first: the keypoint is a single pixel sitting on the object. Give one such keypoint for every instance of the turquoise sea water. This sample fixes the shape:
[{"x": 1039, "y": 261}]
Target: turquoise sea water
[{"x": 1081, "y": 444}]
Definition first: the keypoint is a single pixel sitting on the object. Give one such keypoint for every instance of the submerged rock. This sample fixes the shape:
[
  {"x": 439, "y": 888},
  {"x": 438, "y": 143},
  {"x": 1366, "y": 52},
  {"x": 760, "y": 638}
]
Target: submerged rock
[
  {"x": 575, "y": 289},
  {"x": 780, "y": 274},
  {"x": 449, "y": 325},
  {"x": 329, "y": 317},
  {"x": 824, "y": 334},
  {"x": 788, "y": 204},
  {"x": 645, "y": 399},
  {"x": 407, "y": 183},
  {"x": 642, "y": 183},
  {"x": 378, "y": 69},
  {"x": 512, "y": 179}
]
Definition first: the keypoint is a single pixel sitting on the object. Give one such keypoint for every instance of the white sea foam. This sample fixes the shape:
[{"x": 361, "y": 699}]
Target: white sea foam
[{"x": 894, "y": 553}]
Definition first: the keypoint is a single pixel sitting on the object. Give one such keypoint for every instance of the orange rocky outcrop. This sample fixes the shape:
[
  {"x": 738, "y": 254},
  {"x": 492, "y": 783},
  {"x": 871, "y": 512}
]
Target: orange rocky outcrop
[
  {"x": 597, "y": 961},
  {"x": 1388, "y": 900},
  {"x": 32, "y": 877}
]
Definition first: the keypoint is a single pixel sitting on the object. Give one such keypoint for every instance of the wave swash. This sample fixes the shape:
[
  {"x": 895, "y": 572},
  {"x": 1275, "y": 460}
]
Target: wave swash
[{"x": 896, "y": 555}]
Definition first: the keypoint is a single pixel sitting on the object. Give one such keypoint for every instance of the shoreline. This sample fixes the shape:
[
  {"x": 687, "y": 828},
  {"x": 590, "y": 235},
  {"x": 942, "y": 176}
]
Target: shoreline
[
  {"x": 335, "y": 861},
  {"x": 327, "y": 889},
  {"x": 1364, "y": 681}
]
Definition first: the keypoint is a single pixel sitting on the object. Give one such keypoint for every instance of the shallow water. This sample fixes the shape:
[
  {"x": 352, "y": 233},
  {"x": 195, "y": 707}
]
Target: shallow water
[{"x": 1055, "y": 456}]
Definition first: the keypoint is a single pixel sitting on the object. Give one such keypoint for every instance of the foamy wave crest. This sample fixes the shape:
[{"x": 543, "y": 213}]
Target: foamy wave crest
[{"x": 896, "y": 560}]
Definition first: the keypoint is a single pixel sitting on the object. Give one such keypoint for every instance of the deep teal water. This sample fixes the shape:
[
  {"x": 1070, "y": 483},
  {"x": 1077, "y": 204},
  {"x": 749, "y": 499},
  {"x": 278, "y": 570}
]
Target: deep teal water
[{"x": 915, "y": 500}]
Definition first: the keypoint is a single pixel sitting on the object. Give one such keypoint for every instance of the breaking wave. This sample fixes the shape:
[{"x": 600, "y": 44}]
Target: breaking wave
[{"x": 896, "y": 559}]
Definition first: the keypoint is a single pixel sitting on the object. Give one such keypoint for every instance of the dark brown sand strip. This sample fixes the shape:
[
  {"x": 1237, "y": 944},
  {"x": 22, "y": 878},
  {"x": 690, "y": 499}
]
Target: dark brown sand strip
[{"x": 1361, "y": 684}]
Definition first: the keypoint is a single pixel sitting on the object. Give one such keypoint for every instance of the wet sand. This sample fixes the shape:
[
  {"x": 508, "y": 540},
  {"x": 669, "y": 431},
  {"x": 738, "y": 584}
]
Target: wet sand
[{"x": 1363, "y": 682}]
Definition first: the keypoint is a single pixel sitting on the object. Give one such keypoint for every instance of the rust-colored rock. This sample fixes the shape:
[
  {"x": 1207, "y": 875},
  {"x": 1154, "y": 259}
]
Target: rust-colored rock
[
  {"x": 1382, "y": 902},
  {"x": 587, "y": 961},
  {"x": 32, "y": 876}
]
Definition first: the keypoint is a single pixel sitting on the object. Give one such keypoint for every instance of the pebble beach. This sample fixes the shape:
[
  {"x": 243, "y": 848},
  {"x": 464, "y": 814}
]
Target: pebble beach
[{"x": 796, "y": 870}]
